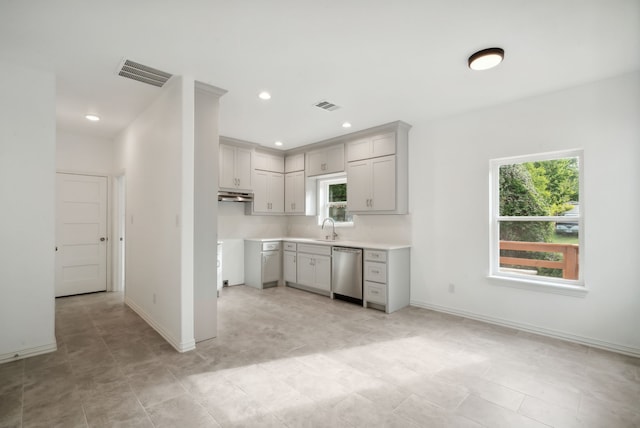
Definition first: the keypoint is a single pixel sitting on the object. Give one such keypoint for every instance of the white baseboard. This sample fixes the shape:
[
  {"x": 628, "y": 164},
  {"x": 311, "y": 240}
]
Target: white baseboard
[
  {"x": 28, "y": 352},
  {"x": 179, "y": 346},
  {"x": 595, "y": 343}
]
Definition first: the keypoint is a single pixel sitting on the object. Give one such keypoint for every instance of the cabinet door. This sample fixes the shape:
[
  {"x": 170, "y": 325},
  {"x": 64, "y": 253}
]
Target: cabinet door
[
  {"x": 294, "y": 163},
  {"x": 299, "y": 193},
  {"x": 277, "y": 163},
  {"x": 261, "y": 161},
  {"x": 289, "y": 193},
  {"x": 270, "y": 266},
  {"x": 260, "y": 191},
  {"x": 335, "y": 159},
  {"x": 323, "y": 273},
  {"x": 358, "y": 150},
  {"x": 316, "y": 162},
  {"x": 383, "y": 184},
  {"x": 275, "y": 192},
  {"x": 243, "y": 168},
  {"x": 358, "y": 185},
  {"x": 305, "y": 269},
  {"x": 226, "y": 167},
  {"x": 294, "y": 193},
  {"x": 289, "y": 264},
  {"x": 383, "y": 145}
]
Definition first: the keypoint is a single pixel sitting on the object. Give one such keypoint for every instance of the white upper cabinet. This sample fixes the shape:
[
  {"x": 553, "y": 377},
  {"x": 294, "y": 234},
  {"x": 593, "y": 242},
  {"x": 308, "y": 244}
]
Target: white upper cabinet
[
  {"x": 268, "y": 192},
  {"x": 294, "y": 193},
  {"x": 371, "y": 185},
  {"x": 372, "y": 147},
  {"x": 268, "y": 162},
  {"x": 293, "y": 163},
  {"x": 377, "y": 172},
  {"x": 235, "y": 168},
  {"x": 325, "y": 161}
]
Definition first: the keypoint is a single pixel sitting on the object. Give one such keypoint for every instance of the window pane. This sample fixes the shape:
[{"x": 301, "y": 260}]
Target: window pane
[
  {"x": 338, "y": 212},
  {"x": 541, "y": 188},
  {"x": 338, "y": 192},
  {"x": 541, "y": 248}
]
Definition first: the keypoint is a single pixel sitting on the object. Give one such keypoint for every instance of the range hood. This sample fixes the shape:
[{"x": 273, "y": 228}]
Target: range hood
[{"x": 226, "y": 196}]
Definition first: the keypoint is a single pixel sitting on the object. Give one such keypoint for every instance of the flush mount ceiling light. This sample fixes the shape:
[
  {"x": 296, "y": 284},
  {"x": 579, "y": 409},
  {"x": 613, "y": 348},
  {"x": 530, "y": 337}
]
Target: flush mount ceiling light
[
  {"x": 278, "y": 143},
  {"x": 92, "y": 117},
  {"x": 346, "y": 125},
  {"x": 486, "y": 59},
  {"x": 264, "y": 95}
]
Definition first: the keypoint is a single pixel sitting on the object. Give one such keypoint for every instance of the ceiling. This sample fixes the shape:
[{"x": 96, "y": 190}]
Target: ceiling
[{"x": 380, "y": 61}]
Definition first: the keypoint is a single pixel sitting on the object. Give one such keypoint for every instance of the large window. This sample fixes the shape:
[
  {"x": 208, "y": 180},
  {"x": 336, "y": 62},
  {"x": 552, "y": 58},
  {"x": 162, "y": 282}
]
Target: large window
[
  {"x": 332, "y": 200},
  {"x": 537, "y": 226}
]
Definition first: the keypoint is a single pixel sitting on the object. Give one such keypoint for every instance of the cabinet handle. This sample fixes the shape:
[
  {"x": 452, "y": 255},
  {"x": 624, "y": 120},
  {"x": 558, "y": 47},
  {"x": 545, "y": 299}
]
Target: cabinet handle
[{"x": 375, "y": 271}]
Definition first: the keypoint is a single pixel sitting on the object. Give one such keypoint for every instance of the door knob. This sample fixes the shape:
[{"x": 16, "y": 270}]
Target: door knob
[{"x": 102, "y": 239}]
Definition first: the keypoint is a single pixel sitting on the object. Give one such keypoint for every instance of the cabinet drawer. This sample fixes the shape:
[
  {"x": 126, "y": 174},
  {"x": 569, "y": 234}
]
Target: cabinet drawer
[
  {"x": 376, "y": 272},
  {"x": 375, "y": 293},
  {"x": 376, "y": 256},
  {"x": 270, "y": 246},
  {"x": 324, "y": 250},
  {"x": 289, "y": 246}
]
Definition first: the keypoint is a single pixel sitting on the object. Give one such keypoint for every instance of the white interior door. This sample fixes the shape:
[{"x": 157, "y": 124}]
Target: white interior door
[{"x": 81, "y": 234}]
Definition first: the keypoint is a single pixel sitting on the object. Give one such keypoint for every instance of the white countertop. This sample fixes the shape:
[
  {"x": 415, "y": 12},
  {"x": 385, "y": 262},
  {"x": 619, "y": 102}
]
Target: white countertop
[{"x": 337, "y": 243}]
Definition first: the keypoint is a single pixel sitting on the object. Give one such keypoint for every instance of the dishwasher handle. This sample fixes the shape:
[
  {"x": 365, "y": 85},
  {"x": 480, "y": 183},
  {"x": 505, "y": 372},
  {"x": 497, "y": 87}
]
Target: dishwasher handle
[{"x": 347, "y": 250}]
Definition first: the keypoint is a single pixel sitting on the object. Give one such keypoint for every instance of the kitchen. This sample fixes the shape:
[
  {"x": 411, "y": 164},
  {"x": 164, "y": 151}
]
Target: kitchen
[{"x": 301, "y": 211}]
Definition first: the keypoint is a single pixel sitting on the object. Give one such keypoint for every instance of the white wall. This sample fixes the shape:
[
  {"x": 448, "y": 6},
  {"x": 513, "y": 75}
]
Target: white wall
[
  {"x": 449, "y": 170},
  {"x": 27, "y": 189},
  {"x": 388, "y": 229},
  {"x": 83, "y": 154},
  {"x": 152, "y": 151},
  {"x": 232, "y": 223}
]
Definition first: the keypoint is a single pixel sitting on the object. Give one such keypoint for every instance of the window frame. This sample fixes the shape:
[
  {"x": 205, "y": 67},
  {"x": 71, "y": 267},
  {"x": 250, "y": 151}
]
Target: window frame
[
  {"x": 558, "y": 285},
  {"x": 323, "y": 184}
]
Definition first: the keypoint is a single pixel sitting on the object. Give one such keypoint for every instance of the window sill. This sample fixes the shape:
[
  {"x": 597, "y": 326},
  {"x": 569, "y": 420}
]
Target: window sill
[{"x": 540, "y": 286}]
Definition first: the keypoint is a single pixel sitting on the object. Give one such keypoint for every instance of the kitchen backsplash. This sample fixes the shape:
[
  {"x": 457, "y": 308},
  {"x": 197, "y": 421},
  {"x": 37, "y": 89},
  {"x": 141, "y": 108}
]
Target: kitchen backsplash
[
  {"x": 386, "y": 229},
  {"x": 233, "y": 223}
]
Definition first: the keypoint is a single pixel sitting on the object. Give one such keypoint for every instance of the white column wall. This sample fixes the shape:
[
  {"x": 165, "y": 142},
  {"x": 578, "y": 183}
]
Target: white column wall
[
  {"x": 152, "y": 154},
  {"x": 27, "y": 217}
]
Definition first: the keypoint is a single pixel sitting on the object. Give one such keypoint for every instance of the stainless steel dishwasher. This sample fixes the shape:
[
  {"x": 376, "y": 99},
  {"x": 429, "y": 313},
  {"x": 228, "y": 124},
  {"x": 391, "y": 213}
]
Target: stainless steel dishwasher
[{"x": 346, "y": 273}]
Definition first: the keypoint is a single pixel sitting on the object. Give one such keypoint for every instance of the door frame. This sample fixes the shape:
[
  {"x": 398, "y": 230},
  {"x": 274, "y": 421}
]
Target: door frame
[
  {"x": 109, "y": 178},
  {"x": 119, "y": 230}
]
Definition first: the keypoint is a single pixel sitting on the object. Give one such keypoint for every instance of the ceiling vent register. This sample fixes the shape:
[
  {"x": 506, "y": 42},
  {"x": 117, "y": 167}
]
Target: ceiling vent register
[
  {"x": 143, "y": 73},
  {"x": 326, "y": 105}
]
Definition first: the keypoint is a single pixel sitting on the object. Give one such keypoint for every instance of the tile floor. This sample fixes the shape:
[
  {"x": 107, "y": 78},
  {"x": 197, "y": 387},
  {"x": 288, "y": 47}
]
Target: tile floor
[{"x": 287, "y": 358}]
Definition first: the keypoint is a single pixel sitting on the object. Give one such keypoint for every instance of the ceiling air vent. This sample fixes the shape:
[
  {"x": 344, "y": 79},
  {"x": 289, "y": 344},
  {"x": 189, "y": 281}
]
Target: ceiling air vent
[
  {"x": 326, "y": 105},
  {"x": 143, "y": 73}
]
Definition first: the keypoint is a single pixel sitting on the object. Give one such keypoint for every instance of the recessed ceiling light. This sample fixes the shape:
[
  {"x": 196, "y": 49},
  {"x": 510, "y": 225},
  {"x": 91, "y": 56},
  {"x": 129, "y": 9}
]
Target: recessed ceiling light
[
  {"x": 264, "y": 95},
  {"x": 278, "y": 143},
  {"x": 486, "y": 59},
  {"x": 346, "y": 125},
  {"x": 92, "y": 117}
]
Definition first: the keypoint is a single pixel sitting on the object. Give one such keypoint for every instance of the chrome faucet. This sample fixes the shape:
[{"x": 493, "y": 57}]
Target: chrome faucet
[{"x": 334, "y": 235}]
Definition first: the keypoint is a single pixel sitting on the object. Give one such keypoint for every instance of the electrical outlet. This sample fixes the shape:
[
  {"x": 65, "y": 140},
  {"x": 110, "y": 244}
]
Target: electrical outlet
[
  {"x": 452, "y": 287},
  {"x": 225, "y": 282}
]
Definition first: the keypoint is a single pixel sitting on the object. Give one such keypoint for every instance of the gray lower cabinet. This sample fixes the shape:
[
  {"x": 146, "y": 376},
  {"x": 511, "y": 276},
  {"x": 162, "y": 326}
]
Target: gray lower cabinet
[
  {"x": 386, "y": 279},
  {"x": 262, "y": 263},
  {"x": 313, "y": 268}
]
